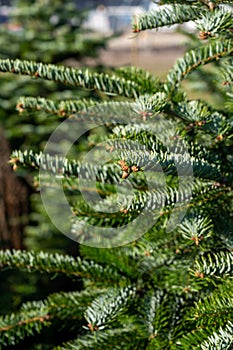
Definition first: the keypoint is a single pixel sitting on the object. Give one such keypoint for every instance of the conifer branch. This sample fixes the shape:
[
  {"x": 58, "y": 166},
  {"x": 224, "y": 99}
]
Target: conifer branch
[
  {"x": 63, "y": 166},
  {"x": 107, "y": 338},
  {"x": 195, "y": 58},
  {"x": 227, "y": 72},
  {"x": 55, "y": 264},
  {"x": 215, "y": 309},
  {"x": 106, "y": 308},
  {"x": 215, "y": 264},
  {"x": 71, "y": 76},
  {"x": 147, "y": 81},
  {"x": 165, "y": 16},
  {"x": 31, "y": 318},
  {"x": 149, "y": 161},
  {"x": 62, "y": 108},
  {"x": 221, "y": 340},
  {"x": 214, "y": 22}
]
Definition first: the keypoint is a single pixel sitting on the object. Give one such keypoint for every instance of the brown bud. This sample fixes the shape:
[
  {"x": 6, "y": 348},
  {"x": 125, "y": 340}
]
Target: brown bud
[
  {"x": 211, "y": 5},
  {"x": 19, "y": 107},
  {"x": 125, "y": 168},
  {"x": 196, "y": 240},
  {"x": 62, "y": 111},
  {"x": 123, "y": 165},
  {"x": 14, "y": 162},
  {"x": 203, "y": 35},
  {"x": 125, "y": 175},
  {"x": 225, "y": 83},
  {"x": 199, "y": 274},
  {"x": 121, "y": 162},
  {"x": 219, "y": 137},
  {"x": 134, "y": 168},
  {"x": 147, "y": 253}
]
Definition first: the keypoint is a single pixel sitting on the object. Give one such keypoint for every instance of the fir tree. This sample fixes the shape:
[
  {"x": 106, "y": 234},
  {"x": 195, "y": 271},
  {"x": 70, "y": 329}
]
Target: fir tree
[{"x": 170, "y": 288}]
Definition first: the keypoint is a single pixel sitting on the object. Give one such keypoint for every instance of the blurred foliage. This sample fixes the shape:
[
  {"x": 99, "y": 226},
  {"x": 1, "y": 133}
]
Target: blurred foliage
[{"x": 52, "y": 32}]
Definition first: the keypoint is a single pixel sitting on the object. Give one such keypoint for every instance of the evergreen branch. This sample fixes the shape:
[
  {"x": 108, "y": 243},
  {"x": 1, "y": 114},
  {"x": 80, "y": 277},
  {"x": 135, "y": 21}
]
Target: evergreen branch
[
  {"x": 69, "y": 306},
  {"x": 62, "y": 108},
  {"x": 188, "y": 2},
  {"x": 84, "y": 215},
  {"x": 161, "y": 135},
  {"x": 195, "y": 58},
  {"x": 63, "y": 166},
  {"x": 30, "y": 319},
  {"x": 169, "y": 196},
  {"x": 215, "y": 309},
  {"x": 160, "y": 200},
  {"x": 110, "y": 113},
  {"x": 149, "y": 310},
  {"x": 145, "y": 105},
  {"x": 215, "y": 264},
  {"x": 193, "y": 110},
  {"x": 167, "y": 156},
  {"x": 146, "y": 136},
  {"x": 214, "y": 22},
  {"x": 227, "y": 71},
  {"x": 151, "y": 105},
  {"x": 143, "y": 159},
  {"x": 108, "y": 339},
  {"x": 158, "y": 134},
  {"x": 104, "y": 309},
  {"x": 229, "y": 102},
  {"x": 196, "y": 229},
  {"x": 169, "y": 162},
  {"x": 201, "y": 3},
  {"x": 143, "y": 78},
  {"x": 200, "y": 115},
  {"x": 220, "y": 340},
  {"x": 34, "y": 316},
  {"x": 71, "y": 76},
  {"x": 56, "y": 264},
  {"x": 165, "y": 16},
  {"x": 208, "y": 195}
]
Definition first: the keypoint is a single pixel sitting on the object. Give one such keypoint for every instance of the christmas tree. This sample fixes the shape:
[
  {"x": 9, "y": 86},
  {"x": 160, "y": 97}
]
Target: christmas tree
[{"x": 150, "y": 203}]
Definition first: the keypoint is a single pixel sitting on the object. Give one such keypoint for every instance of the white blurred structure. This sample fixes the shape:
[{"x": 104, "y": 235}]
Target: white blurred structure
[{"x": 112, "y": 19}]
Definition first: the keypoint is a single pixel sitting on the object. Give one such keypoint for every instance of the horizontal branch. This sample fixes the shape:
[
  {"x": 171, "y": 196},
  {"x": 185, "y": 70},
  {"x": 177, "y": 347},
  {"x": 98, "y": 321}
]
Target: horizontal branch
[
  {"x": 56, "y": 264},
  {"x": 195, "y": 58},
  {"x": 71, "y": 76},
  {"x": 62, "y": 108},
  {"x": 165, "y": 16}
]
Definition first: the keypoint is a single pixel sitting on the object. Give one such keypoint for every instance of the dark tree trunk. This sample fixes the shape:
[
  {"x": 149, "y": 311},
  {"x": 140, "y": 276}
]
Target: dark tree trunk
[{"x": 14, "y": 201}]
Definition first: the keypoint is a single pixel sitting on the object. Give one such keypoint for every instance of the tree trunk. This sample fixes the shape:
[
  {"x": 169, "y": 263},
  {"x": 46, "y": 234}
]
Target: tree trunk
[{"x": 14, "y": 201}]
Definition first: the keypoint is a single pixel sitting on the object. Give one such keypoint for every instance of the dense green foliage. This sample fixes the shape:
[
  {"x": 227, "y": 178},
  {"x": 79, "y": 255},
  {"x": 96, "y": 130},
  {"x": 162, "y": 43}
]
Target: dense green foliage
[{"x": 172, "y": 287}]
